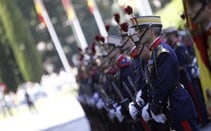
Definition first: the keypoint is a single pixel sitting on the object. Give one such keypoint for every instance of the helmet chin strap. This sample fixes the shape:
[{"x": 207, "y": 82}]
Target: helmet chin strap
[
  {"x": 149, "y": 25},
  {"x": 111, "y": 51}
]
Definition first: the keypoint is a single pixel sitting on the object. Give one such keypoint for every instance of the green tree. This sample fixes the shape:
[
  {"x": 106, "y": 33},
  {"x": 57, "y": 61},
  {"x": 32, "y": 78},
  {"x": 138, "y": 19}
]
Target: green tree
[
  {"x": 170, "y": 14},
  {"x": 21, "y": 41},
  {"x": 9, "y": 72}
]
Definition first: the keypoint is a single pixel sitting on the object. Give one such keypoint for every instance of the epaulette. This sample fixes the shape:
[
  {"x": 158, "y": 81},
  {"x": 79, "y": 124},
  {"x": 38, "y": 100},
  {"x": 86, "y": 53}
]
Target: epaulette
[{"x": 161, "y": 49}]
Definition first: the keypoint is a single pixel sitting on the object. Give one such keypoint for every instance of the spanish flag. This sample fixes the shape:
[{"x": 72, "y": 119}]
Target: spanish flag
[
  {"x": 69, "y": 10},
  {"x": 200, "y": 47},
  {"x": 39, "y": 9}
]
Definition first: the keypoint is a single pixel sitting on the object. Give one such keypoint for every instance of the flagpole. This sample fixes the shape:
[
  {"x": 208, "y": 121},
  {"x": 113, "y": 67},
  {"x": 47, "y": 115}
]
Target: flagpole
[
  {"x": 75, "y": 23},
  {"x": 79, "y": 32},
  {"x": 54, "y": 36},
  {"x": 94, "y": 10}
]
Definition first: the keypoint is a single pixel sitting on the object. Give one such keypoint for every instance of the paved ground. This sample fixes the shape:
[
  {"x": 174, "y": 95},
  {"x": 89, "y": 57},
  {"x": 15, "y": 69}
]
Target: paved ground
[
  {"x": 63, "y": 114},
  {"x": 80, "y": 124}
]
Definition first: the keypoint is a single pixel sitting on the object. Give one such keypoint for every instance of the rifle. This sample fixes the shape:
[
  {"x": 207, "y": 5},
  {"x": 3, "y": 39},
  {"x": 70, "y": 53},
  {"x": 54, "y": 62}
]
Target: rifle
[
  {"x": 104, "y": 95},
  {"x": 132, "y": 98},
  {"x": 132, "y": 84},
  {"x": 117, "y": 90},
  {"x": 124, "y": 103},
  {"x": 129, "y": 92},
  {"x": 131, "y": 95}
]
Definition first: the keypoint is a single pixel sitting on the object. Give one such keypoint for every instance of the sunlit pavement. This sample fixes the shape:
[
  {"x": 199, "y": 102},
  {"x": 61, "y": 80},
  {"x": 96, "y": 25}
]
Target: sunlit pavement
[
  {"x": 75, "y": 125},
  {"x": 63, "y": 114}
]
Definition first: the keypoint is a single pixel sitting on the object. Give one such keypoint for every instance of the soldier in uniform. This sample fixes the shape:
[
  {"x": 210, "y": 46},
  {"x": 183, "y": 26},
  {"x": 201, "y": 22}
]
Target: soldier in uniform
[
  {"x": 197, "y": 13},
  {"x": 167, "y": 100},
  {"x": 123, "y": 64},
  {"x": 186, "y": 77},
  {"x": 137, "y": 64},
  {"x": 138, "y": 67}
]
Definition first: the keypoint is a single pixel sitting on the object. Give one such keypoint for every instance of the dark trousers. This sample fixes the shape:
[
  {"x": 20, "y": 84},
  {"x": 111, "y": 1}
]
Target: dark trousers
[
  {"x": 155, "y": 126},
  {"x": 187, "y": 125}
]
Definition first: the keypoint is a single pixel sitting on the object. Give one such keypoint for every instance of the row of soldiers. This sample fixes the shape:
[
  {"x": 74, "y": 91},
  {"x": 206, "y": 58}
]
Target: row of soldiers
[{"x": 140, "y": 81}]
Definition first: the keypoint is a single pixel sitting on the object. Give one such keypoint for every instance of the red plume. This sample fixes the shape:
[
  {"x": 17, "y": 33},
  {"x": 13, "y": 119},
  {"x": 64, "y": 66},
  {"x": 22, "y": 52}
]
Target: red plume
[
  {"x": 102, "y": 39},
  {"x": 117, "y": 17},
  {"x": 128, "y": 10},
  {"x": 93, "y": 48},
  {"x": 81, "y": 57},
  {"x": 107, "y": 27},
  {"x": 124, "y": 26},
  {"x": 98, "y": 38}
]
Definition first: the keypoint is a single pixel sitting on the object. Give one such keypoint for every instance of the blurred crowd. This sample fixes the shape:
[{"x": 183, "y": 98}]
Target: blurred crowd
[{"x": 29, "y": 93}]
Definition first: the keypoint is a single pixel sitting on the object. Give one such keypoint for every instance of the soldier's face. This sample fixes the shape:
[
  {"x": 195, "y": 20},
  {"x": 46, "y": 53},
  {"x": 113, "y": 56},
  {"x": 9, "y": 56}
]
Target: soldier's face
[
  {"x": 169, "y": 38},
  {"x": 125, "y": 43},
  {"x": 145, "y": 55},
  {"x": 128, "y": 46},
  {"x": 113, "y": 54},
  {"x": 138, "y": 47},
  {"x": 144, "y": 34}
]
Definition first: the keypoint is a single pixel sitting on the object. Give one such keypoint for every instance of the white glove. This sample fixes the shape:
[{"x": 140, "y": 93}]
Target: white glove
[
  {"x": 111, "y": 114},
  {"x": 161, "y": 118},
  {"x": 96, "y": 96},
  {"x": 145, "y": 113},
  {"x": 139, "y": 100},
  {"x": 100, "y": 104},
  {"x": 133, "y": 110},
  {"x": 119, "y": 114},
  {"x": 90, "y": 101}
]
